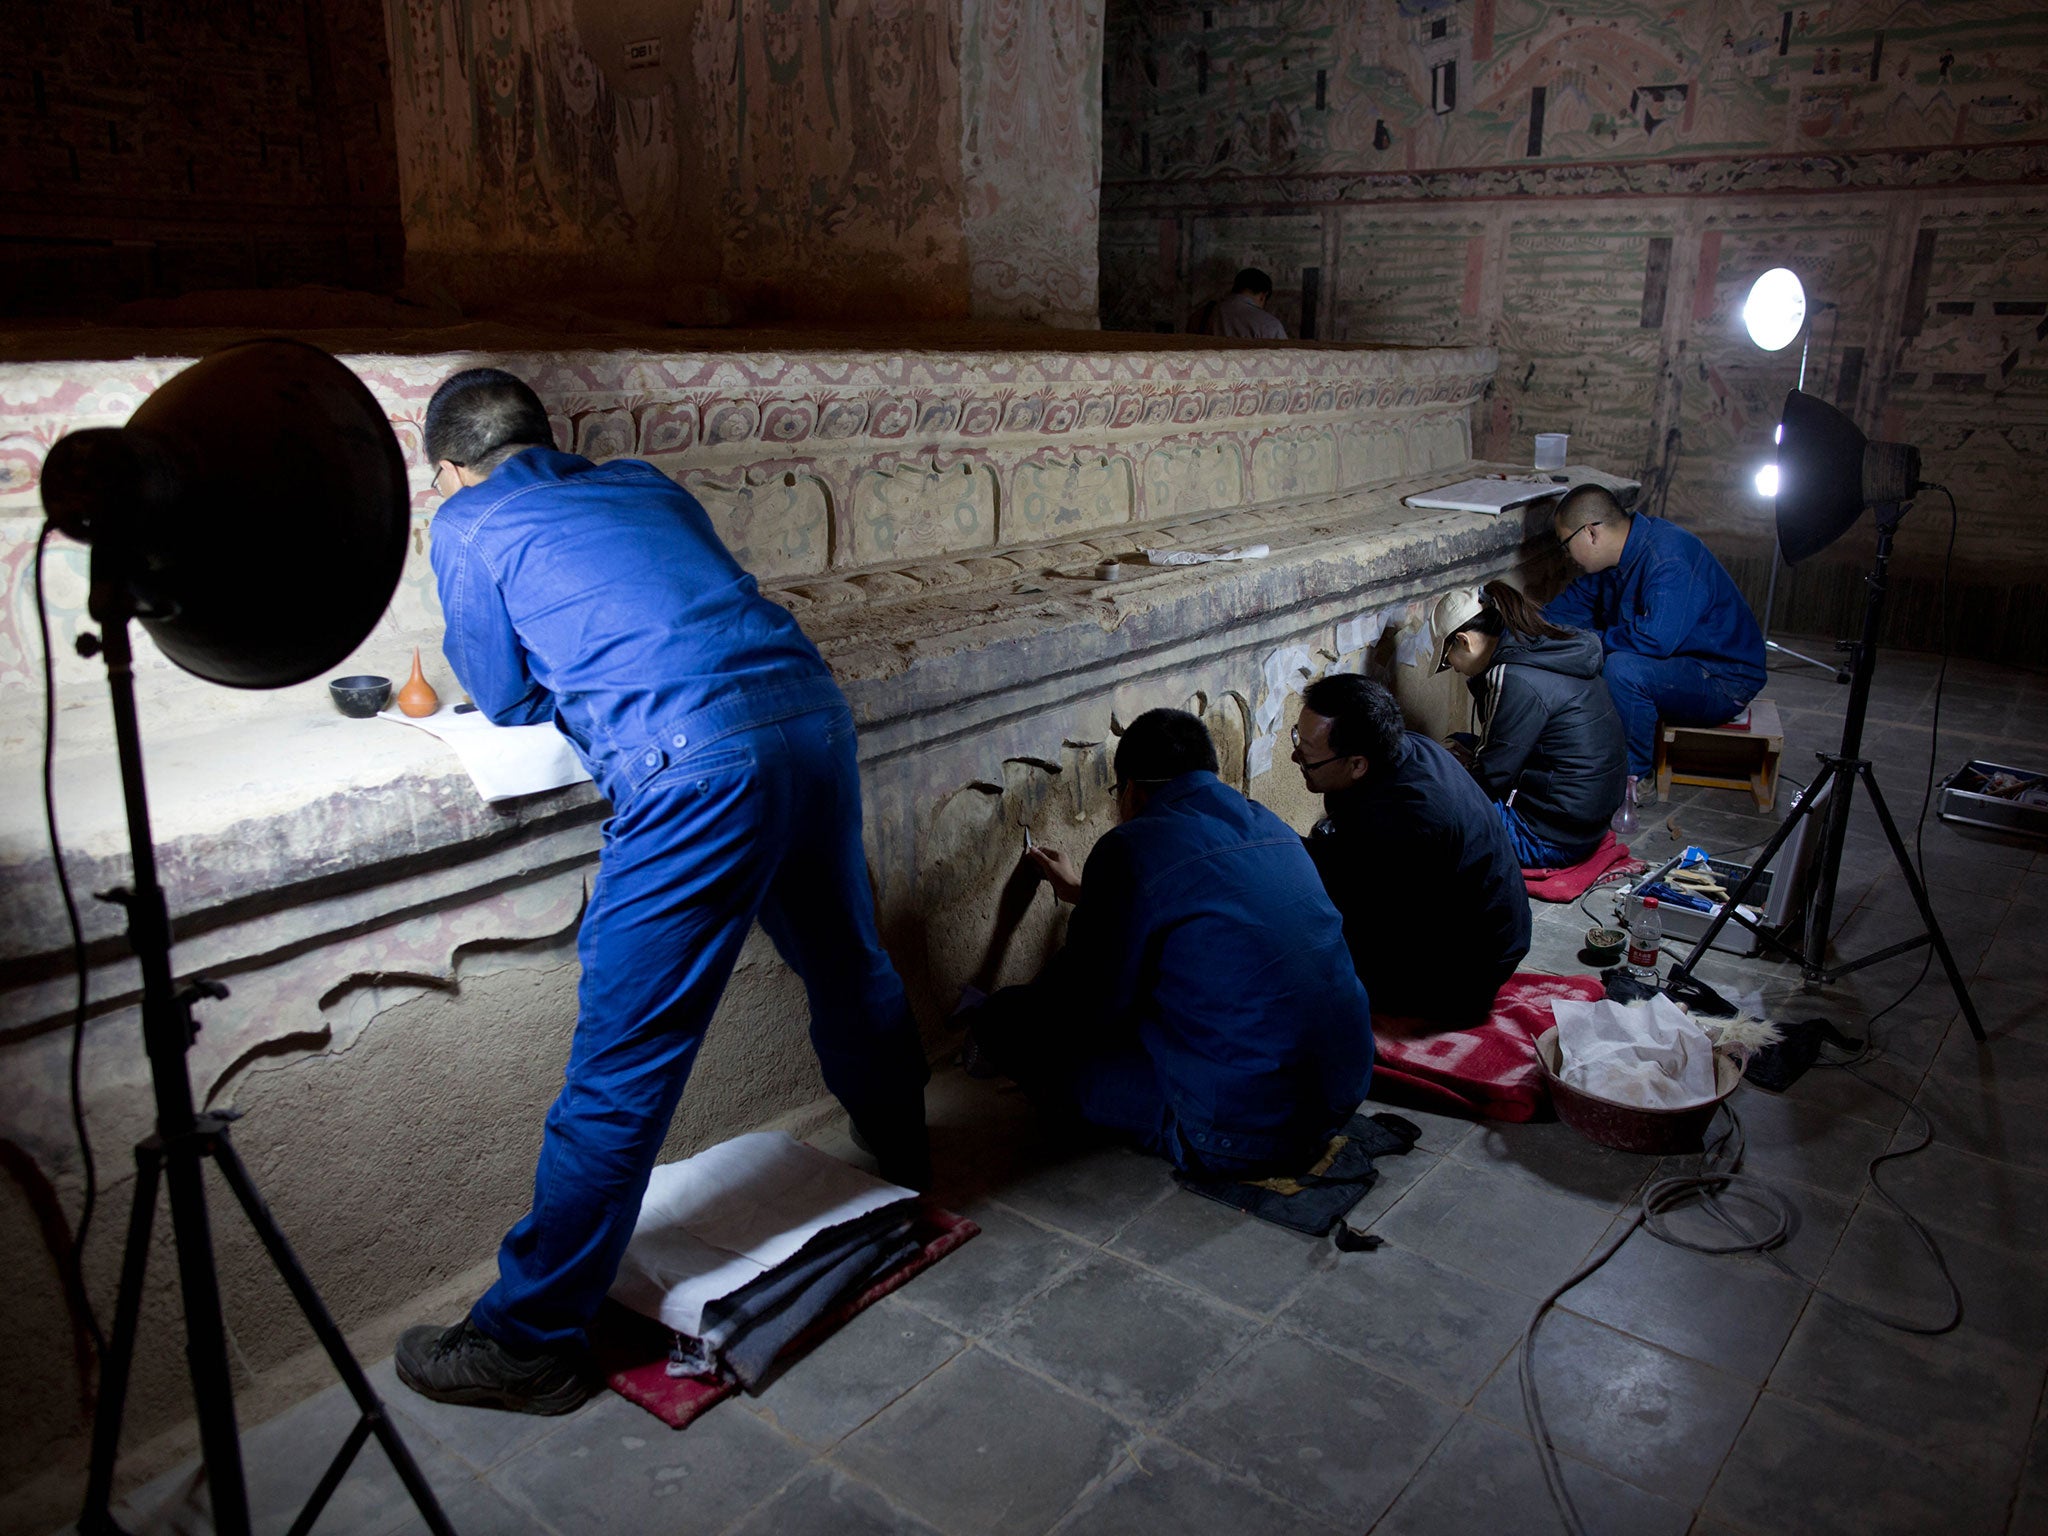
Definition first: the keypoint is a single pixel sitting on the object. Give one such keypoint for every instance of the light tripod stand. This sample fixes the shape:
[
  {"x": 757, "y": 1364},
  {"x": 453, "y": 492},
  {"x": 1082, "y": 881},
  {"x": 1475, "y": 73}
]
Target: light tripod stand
[
  {"x": 1832, "y": 474},
  {"x": 180, "y": 508}
]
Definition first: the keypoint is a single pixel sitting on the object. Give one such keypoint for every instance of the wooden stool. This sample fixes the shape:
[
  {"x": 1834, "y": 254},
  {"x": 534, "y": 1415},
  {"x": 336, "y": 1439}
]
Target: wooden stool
[{"x": 1722, "y": 757}]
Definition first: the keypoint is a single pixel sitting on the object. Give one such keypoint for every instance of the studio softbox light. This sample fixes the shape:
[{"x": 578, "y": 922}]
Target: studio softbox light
[{"x": 1828, "y": 472}]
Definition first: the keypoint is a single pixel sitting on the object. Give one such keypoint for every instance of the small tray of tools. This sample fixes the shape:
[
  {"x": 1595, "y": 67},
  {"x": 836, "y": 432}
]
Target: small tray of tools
[{"x": 2005, "y": 799}]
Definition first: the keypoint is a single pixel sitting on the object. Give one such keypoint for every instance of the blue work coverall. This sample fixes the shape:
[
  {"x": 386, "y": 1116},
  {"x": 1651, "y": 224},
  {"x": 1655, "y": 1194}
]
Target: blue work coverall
[
  {"x": 1204, "y": 1005},
  {"x": 600, "y": 599},
  {"x": 1681, "y": 643}
]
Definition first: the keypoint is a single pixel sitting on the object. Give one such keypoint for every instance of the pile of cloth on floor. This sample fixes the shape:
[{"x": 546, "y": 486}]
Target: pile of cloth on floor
[{"x": 743, "y": 1247}]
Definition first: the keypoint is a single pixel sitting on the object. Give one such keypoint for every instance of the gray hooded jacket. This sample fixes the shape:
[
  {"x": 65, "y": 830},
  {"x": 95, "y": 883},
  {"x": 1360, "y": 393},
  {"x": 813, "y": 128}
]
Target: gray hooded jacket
[{"x": 1549, "y": 737}]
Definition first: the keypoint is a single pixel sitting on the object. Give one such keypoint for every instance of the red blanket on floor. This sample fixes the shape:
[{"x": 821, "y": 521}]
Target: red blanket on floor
[
  {"x": 632, "y": 1350},
  {"x": 1489, "y": 1070},
  {"x": 1610, "y": 861}
]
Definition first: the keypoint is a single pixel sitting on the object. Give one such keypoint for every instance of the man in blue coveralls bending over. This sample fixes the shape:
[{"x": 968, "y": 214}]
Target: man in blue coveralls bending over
[
  {"x": 1680, "y": 641},
  {"x": 599, "y": 598}
]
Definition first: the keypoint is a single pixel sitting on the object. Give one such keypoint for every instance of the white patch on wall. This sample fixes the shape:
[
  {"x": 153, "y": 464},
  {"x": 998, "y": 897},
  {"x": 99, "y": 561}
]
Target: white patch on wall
[
  {"x": 1361, "y": 633},
  {"x": 1284, "y": 672}
]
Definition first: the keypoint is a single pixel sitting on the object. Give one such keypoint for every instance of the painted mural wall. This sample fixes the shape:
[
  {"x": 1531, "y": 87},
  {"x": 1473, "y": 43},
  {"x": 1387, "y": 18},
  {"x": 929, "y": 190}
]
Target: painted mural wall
[
  {"x": 1592, "y": 188},
  {"x": 867, "y": 159}
]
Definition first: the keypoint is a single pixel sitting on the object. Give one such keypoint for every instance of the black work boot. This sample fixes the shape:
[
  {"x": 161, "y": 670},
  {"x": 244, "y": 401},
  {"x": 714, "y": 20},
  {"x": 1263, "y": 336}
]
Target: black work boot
[
  {"x": 899, "y": 1145},
  {"x": 465, "y": 1365}
]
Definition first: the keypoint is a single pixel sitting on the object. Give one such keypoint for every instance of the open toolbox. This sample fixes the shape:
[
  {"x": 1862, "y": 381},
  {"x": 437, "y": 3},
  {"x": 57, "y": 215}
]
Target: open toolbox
[{"x": 2005, "y": 799}]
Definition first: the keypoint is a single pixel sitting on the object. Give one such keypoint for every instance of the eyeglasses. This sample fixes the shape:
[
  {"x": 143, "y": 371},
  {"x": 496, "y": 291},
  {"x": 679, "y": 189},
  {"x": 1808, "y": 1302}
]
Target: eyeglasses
[
  {"x": 1302, "y": 763},
  {"x": 1566, "y": 541},
  {"x": 441, "y": 469}
]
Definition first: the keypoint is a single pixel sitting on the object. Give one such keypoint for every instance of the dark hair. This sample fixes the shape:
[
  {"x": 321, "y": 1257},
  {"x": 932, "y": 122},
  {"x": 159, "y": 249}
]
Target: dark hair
[
  {"x": 1364, "y": 719},
  {"x": 1503, "y": 607},
  {"x": 1584, "y": 504},
  {"x": 1163, "y": 744},
  {"x": 479, "y": 412},
  {"x": 1251, "y": 280}
]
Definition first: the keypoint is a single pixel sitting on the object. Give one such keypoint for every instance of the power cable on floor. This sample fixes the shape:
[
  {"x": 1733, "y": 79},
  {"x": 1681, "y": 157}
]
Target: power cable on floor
[{"x": 1717, "y": 1189}]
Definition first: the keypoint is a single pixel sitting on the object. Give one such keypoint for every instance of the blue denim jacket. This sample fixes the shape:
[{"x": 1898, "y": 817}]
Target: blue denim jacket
[
  {"x": 599, "y": 597},
  {"x": 1668, "y": 597},
  {"x": 1203, "y": 926}
]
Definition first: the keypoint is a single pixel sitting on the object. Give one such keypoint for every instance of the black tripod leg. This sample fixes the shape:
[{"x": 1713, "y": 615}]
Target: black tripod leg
[
  {"x": 97, "y": 1515},
  {"x": 206, "y": 1341},
  {"x": 324, "y": 1328},
  {"x": 1948, "y": 961}
]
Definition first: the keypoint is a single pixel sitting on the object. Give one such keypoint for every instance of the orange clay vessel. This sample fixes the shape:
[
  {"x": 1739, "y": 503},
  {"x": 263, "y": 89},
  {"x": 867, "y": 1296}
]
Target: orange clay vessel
[{"x": 417, "y": 698}]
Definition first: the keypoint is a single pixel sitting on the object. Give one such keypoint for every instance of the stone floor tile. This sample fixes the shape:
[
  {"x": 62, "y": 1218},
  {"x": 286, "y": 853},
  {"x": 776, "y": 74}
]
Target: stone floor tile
[
  {"x": 1871, "y": 928},
  {"x": 982, "y": 1446},
  {"x": 615, "y": 1468},
  {"x": 856, "y": 1373},
  {"x": 1249, "y": 1263},
  {"x": 1134, "y": 1342},
  {"x": 1818, "y": 1221},
  {"x": 1799, "y": 1470},
  {"x": 1996, "y": 1203},
  {"x": 1787, "y": 1139},
  {"x": 285, "y": 1457},
  {"x": 1555, "y": 1155},
  {"x": 1161, "y": 1489},
  {"x": 482, "y": 1437},
  {"x": 1990, "y": 1126},
  {"x": 1943, "y": 1394},
  {"x": 2012, "y": 1068},
  {"x": 1312, "y": 1428},
  {"x": 825, "y": 1501},
  {"x": 1877, "y": 1091},
  {"x": 981, "y": 1283},
  {"x": 1650, "y": 1417},
  {"x": 2015, "y": 1008},
  {"x": 1397, "y": 1175},
  {"x": 1505, "y": 1229},
  {"x": 1736, "y": 1317},
  {"x": 1484, "y": 1478},
  {"x": 1441, "y": 1134},
  {"x": 1093, "y": 1193},
  {"x": 1881, "y": 1264},
  {"x": 1438, "y": 1328}
]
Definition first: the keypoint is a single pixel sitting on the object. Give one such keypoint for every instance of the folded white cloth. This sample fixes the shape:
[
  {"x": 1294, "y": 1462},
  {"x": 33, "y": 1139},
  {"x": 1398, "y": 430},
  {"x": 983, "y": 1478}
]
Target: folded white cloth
[
  {"x": 503, "y": 761},
  {"x": 711, "y": 1223},
  {"x": 1650, "y": 1054}
]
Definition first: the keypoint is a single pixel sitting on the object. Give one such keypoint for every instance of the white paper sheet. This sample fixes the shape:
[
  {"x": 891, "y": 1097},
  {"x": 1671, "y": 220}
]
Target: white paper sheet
[
  {"x": 1204, "y": 557},
  {"x": 1361, "y": 633},
  {"x": 713, "y": 1222},
  {"x": 1485, "y": 495},
  {"x": 504, "y": 761},
  {"x": 1651, "y": 1054}
]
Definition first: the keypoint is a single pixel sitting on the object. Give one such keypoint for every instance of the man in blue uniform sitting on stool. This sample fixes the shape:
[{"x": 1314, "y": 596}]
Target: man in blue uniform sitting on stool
[
  {"x": 1680, "y": 641},
  {"x": 1204, "y": 1007},
  {"x": 599, "y": 598}
]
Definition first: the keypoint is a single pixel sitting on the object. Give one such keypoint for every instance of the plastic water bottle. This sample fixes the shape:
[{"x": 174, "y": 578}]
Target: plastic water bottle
[{"x": 1645, "y": 938}]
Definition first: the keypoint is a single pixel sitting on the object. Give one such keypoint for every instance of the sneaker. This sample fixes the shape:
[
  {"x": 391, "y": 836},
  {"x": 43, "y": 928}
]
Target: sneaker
[{"x": 465, "y": 1365}]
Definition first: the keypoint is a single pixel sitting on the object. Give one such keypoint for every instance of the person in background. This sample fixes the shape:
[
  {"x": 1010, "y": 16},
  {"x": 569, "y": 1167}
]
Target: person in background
[
  {"x": 1549, "y": 751},
  {"x": 598, "y": 598},
  {"x": 1242, "y": 311},
  {"x": 1204, "y": 1006},
  {"x": 1680, "y": 642},
  {"x": 1413, "y": 855}
]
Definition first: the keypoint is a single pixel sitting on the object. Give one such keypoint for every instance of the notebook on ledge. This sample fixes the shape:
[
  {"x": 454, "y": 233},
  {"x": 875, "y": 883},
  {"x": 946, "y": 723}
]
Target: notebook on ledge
[{"x": 1492, "y": 496}]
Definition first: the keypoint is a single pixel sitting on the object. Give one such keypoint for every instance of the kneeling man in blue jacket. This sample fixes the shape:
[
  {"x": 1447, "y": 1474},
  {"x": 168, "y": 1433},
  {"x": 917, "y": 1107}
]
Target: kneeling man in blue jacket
[
  {"x": 1204, "y": 1007},
  {"x": 1680, "y": 641}
]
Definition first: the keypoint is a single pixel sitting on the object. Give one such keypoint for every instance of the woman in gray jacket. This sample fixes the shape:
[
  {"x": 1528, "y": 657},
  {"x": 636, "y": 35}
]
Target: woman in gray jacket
[{"x": 1550, "y": 750}]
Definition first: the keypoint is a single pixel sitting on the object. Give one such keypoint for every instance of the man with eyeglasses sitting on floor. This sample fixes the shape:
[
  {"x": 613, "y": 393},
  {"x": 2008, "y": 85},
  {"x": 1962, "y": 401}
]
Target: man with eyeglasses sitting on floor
[
  {"x": 1204, "y": 1007},
  {"x": 1413, "y": 855}
]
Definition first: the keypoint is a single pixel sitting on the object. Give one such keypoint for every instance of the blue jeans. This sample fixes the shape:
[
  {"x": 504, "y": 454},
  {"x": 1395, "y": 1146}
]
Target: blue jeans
[
  {"x": 1675, "y": 689},
  {"x": 1531, "y": 851},
  {"x": 766, "y": 824}
]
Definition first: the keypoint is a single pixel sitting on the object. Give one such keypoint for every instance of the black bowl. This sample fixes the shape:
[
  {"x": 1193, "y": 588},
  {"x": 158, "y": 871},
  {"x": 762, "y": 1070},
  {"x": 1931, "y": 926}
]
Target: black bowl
[{"x": 360, "y": 697}]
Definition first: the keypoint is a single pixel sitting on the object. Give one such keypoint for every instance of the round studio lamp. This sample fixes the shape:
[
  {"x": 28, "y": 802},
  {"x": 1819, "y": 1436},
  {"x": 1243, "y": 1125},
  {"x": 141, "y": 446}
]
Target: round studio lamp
[
  {"x": 252, "y": 514},
  {"x": 1775, "y": 309},
  {"x": 1828, "y": 472}
]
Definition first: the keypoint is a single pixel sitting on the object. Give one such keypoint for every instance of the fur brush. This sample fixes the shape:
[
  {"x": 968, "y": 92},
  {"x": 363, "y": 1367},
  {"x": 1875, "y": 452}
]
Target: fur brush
[{"x": 1742, "y": 1036}]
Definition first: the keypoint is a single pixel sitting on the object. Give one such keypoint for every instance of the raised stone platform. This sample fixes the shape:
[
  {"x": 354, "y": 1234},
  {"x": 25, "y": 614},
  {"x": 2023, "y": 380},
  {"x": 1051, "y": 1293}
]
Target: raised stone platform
[{"x": 401, "y": 955}]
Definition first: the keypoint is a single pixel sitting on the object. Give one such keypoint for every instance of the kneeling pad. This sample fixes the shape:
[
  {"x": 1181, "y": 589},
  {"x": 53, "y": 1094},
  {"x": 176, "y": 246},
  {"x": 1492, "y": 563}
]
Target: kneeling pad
[{"x": 1316, "y": 1200}]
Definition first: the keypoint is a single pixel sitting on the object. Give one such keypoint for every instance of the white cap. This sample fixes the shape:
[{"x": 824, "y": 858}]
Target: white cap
[{"x": 1454, "y": 610}]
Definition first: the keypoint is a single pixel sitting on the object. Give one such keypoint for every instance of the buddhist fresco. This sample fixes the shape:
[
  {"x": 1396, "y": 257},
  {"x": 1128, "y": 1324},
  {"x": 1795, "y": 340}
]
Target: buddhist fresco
[{"x": 1591, "y": 189}]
